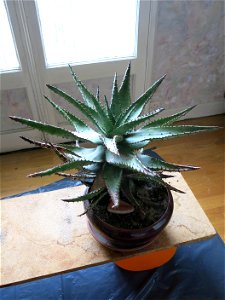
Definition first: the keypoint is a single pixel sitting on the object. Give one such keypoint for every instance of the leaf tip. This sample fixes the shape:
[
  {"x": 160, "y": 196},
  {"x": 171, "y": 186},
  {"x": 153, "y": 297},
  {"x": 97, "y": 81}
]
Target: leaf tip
[
  {"x": 33, "y": 175},
  {"x": 13, "y": 118}
]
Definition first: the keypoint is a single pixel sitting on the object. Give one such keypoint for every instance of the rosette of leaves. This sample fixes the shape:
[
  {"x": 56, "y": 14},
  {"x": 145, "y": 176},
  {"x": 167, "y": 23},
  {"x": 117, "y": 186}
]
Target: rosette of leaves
[{"x": 119, "y": 130}]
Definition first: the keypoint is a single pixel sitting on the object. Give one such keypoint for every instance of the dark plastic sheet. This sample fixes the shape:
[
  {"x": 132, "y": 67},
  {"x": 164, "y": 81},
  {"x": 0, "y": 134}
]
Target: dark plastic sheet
[{"x": 196, "y": 272}]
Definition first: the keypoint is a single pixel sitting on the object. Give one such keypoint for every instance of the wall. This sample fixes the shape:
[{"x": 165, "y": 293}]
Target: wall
[{"x": 189, "y": 48}]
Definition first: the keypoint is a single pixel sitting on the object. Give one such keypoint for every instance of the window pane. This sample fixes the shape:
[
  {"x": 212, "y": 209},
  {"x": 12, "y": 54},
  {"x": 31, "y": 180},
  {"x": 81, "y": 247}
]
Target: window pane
[
  {"x": 8, "y": 56},
  {"x": 80, "y": 31}
]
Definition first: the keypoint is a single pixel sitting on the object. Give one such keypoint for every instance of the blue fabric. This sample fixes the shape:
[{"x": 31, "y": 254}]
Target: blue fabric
[
  {"x": 196, "y": 272},
  {"x": 57, "y": 185}
]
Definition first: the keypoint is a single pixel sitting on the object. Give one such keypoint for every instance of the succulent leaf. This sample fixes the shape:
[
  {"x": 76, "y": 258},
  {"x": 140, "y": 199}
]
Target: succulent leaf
[
  {"x": 92, "y": 136},
  {"x": 87, "y": 111},
  {"x": 110, "y": 144},
  {"x": 98, "y": 94},
  {"x": 76, "y": 122},
  {"x": 66, "y": 157},
  {"x": 94, "y": 154},
  {"x": 171, "y": 119},
  {"x": 41, "y": 144},
  {"x": 92, "y": 102},
  {"x": 58, "y": 149},
  {"x": 88, "y": 97},
  {"x": 75, "y": 164},
  {"x": 84, "y": 177},
  {"x": 78, "y": 151},
  {"x": 160, "y": 165},
  {"x": 131, "y": 163},
  {"x": 97, "y": 155},
  {"x": 54, "y": 130},
  {"x": 124, "y": 128},
  {"x": 81, "y": 174},
  {"x": 109, "y": 112},
  {"x": 112, "y": 176},
  {"x": 147, "y": 134},
  {"x": 89, "y": 196},
  {"x": 136, "y": 108},
  {"x": 124, "y": 91},
  {"x": 115, "y": 101},
  {"x": 136, "y": 145},
  {"x": 95, "y": 167},
  {"x": 121, "y": 98}
]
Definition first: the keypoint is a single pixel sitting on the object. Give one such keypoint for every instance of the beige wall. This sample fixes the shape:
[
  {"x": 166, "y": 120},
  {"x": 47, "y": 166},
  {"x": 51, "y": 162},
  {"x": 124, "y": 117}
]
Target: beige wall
[{"x": 189, "y": 47}]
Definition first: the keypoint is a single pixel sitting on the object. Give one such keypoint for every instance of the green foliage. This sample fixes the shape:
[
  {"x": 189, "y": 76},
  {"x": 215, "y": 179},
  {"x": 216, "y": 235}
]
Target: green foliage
[
  {"x": 121, "y": 98},
  {"x": 113, "y": 176},
  {"x": 116, "y": 156}
]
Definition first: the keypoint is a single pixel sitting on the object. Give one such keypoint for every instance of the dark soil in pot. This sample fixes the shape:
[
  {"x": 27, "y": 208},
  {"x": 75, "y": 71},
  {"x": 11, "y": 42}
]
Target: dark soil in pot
[{"x": 153, "y": 203}]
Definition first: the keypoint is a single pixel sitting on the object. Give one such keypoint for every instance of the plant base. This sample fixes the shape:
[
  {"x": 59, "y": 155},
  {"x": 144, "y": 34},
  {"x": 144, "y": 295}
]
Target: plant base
[{"x": 147, "y": 261}]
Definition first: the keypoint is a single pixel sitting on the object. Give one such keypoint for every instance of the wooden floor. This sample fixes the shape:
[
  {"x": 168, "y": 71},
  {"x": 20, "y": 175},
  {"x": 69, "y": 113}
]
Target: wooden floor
[{"x": 205, "y": 150}]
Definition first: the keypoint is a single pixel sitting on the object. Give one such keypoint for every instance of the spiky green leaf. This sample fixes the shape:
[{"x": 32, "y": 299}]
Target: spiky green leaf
[
  {"x": 87, "y": 96},
  {"x": 50, "y": 129},
  {"x": 76, "y": 164},
  {"x": 112, "y": 176},
  {"x": 40, "y": 144},
  {"x": 95, "y": 167},
  {"x": 76, "y": 122},
  {"x": 98, "y": 94},
  {"x": 89, "y": 196},
  {"x": 87, "y": 111},
  {"x": 171, "y": 119},
  {"x": 84, "y": 177},
  {"x": 92, "y": 102},
  {"x": 124, "y": 128},
  {"x": 124, "y": 91},
  {"x": 58, "y": 149},
  {"x": 115, "y": 100},
  {"x": 109, "y": 113},
  {"x": 88, "y": 133},
  {"x": 132, "y": 146},
  {"x": 128, "y": 162},
  {"x": 147, "y": 134},
  {"x": 92, "y": 137},
  {"x": 157, "y": 164},
  {"x": 98, "y": 155},
  {"x": 79, "y": 151},
  {"x": 135, "y": 109},
  {"x": 110, "y": 144},
  {"x": 94, "y": 154}
]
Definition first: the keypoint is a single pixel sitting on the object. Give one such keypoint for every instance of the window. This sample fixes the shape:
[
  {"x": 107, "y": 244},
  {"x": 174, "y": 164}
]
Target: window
[
  {"x": 8, "y": 56},
  {"x": 78, "y": 31},
  {"x": 38, "y": 38}
]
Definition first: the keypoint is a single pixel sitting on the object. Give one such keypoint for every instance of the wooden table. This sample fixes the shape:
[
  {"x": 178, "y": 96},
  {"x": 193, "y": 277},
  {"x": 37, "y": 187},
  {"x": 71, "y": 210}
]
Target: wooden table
[{"x": 42, "y": 235}]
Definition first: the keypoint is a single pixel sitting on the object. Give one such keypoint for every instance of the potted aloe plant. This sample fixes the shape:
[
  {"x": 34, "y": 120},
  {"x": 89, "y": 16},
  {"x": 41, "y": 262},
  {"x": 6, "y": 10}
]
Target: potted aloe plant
[{"x": 128, "y": 202}]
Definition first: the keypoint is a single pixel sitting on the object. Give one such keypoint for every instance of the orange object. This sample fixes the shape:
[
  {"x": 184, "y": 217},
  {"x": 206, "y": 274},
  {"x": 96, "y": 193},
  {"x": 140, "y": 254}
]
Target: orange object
[{"x": 147, "y": 261}]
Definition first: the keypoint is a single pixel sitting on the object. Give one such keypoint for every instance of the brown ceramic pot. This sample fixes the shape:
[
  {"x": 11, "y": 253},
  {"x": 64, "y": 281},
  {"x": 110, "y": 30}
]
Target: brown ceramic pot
[{"x": 127, "y": 239}]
